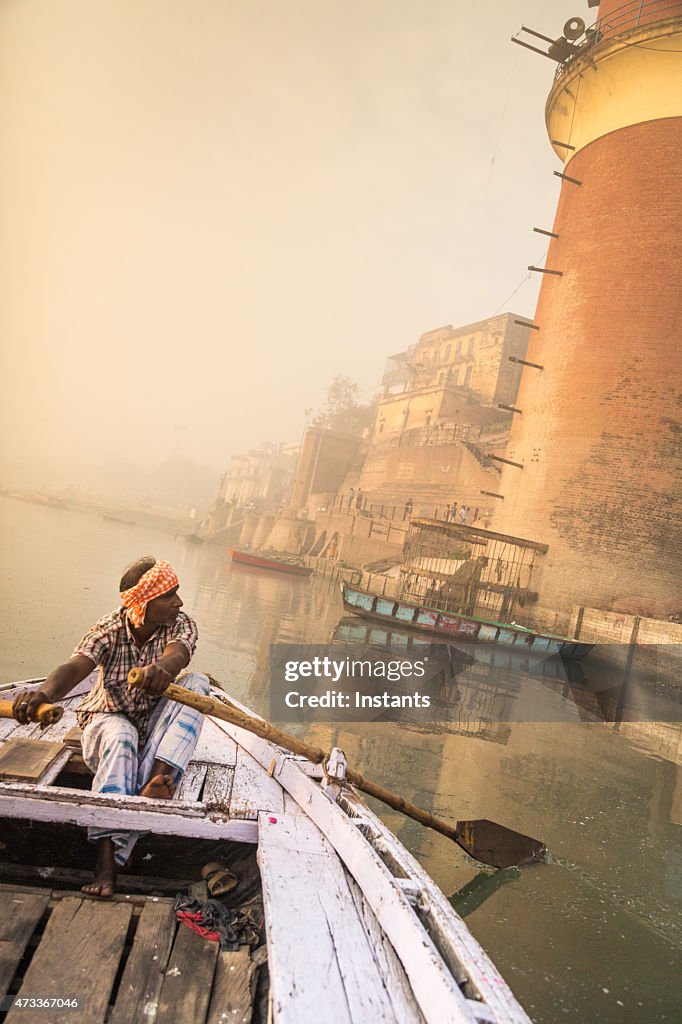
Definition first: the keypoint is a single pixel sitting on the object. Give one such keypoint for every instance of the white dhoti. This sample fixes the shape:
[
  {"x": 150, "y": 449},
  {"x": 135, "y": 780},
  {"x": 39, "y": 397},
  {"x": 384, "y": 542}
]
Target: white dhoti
[{"x": 111, "y": 751}]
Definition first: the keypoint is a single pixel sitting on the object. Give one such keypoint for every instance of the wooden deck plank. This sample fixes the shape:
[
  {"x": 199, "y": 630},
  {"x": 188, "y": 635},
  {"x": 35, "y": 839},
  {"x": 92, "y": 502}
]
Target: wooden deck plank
[
  {"x": 218, "y": 786},
  {"x": 321, "y": 964},
  {"x": 186, "y": 988},
  {"x": 140, "y": 988},
  {"x": 78, "y": 957},
  {"x": 214, "y": 747},
  {"x": 253, "y": 790},
  {"x": 26, "y": 760},
  {"x": 7, "y": 727},
  {"x": 191, "y": 782},
  {"x": 234, "y": 986},
  {"x": 21, "y": 912}
]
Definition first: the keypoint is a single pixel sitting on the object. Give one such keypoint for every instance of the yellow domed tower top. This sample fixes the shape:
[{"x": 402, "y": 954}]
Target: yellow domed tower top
[{"x": 626, "y": 72}]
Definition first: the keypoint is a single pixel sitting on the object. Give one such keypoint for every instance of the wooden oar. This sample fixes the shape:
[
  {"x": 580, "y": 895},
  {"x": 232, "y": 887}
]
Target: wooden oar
[
  {"x": 484, "y": 840},
  {"x": 47, "y": 714}
]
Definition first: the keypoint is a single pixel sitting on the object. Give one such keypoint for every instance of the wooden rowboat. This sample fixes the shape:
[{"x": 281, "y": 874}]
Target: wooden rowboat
[
  {"x": 355, "y": 929},
  {"x": 275, "y": 564},
  {"x": 459, "y": 627}
]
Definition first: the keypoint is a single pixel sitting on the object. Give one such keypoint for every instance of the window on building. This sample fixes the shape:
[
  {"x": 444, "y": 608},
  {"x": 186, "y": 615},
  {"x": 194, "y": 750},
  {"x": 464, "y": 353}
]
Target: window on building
[
  {"x": 458, "y": 348},
  {"x": 448, "y": 349},
  {"x": 472, "y": 341},
  {"x": 467, "y": 375}
]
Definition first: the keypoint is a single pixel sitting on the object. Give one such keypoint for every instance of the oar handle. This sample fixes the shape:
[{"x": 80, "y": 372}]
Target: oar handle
[
  {"x": 46, "y": 714},
  {"x": 398, "y": 803}
]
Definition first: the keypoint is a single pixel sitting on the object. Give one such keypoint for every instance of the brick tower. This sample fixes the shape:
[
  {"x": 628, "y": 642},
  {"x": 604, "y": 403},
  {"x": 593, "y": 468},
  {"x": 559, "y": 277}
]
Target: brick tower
[{"x": 598, "y": 431}]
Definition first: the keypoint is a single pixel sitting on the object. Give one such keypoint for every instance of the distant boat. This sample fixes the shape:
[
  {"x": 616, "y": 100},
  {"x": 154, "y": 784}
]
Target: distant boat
[
  {"x": 294, "y": 568},
  {"x": 461, "y": 627},
  {"x": 117, "y": 519},
  {"x": 46, "y": 501}
]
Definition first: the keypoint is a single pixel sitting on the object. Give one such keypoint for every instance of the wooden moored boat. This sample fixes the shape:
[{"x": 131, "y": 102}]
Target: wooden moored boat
[
  {"x": 356, "y": 930},
  {"x": 458, "y": 627},
  {"x": 295, "y": 568}
]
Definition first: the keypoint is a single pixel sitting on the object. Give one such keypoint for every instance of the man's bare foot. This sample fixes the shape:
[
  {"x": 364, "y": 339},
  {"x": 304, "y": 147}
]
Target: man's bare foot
[
  {"x": 159, "y": 787},
  {"x": 103, "y": 885},
  {"x": 105, "y": 872}
]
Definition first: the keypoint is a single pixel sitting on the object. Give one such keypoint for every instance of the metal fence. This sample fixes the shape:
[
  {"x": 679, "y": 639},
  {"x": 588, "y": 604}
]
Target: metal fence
[
  {"x": 468, "y": 570},
  {"x": 368, "y": 508}
]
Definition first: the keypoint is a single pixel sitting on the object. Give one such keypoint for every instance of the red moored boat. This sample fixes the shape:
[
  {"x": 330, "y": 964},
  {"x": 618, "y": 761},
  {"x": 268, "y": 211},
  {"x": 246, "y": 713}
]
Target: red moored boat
[{"x": 276, "y": 564}]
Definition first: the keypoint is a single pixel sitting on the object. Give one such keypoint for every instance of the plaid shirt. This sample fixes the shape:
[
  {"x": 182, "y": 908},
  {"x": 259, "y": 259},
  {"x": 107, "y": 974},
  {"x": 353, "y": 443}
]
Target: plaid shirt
[{"x": 111, "y": 645}]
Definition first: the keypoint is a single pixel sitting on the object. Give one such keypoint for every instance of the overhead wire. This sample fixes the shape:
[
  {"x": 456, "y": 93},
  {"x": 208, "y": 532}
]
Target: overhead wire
[{"x": 519, "y": 285}]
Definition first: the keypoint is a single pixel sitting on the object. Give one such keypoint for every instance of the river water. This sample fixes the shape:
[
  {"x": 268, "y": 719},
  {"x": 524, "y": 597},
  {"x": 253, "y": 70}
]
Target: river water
[{"x": 593, "y": 935}]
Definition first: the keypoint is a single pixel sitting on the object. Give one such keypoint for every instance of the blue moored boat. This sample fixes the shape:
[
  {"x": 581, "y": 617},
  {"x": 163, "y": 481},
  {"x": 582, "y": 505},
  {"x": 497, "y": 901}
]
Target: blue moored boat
[{"x": 459, "y": 627}]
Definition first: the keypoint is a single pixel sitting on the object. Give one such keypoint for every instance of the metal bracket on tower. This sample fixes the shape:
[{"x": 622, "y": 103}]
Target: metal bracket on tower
[
  {"x": 509, "y": 408},
  {"x": 507, "y": 462},
  {"x": 526, "y": 323},
  {"x": 567, "y": 177},
  {"x": 563, "y": 48},
  {"x": 491, "y": 494},
  {"x": 546, "y": 270},
  {"x": 524, "y": 362},
  {"x": 542, "y": 231}
]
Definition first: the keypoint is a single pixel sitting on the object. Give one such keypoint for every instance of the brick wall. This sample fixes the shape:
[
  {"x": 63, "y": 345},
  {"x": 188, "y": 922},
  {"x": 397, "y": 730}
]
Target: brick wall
[{"x": 600, "y": 434}]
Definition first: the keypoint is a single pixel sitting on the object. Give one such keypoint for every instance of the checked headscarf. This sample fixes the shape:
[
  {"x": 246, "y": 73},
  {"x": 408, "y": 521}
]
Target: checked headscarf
[{"x": 154, "y": 583}]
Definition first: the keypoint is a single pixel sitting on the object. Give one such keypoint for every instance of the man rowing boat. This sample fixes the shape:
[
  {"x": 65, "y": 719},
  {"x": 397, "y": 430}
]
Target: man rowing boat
[{"x": 133, "y": 741}]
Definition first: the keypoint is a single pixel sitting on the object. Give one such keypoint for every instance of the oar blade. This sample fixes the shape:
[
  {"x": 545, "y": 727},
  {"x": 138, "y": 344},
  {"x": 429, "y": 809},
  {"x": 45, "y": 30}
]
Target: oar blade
[{"x": 496, "y": 845}]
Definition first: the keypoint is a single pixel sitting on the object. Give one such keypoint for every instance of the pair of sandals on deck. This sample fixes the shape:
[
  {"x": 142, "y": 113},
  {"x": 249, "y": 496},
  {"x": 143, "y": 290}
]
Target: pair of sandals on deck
[{"x": 219, "y": 879}]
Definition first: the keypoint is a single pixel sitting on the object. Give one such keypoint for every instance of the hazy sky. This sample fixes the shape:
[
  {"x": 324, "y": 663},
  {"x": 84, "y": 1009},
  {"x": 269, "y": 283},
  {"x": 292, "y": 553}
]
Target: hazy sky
[{"x": 211, "y": 207}]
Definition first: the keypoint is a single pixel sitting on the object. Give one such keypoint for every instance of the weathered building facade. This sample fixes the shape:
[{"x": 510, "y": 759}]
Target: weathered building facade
[
  {"x": 261, "y": 476},
  {"x": 454, "y": 375}
]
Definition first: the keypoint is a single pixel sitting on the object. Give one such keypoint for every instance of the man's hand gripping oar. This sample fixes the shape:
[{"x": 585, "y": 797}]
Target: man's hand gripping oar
[{"x": 31, "y": 706}]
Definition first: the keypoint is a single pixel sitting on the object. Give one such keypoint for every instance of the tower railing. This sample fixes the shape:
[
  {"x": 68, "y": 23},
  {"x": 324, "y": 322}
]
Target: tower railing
[
  {"x": 633, "y": 14},
  {"x": 622, "y": 19}
]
